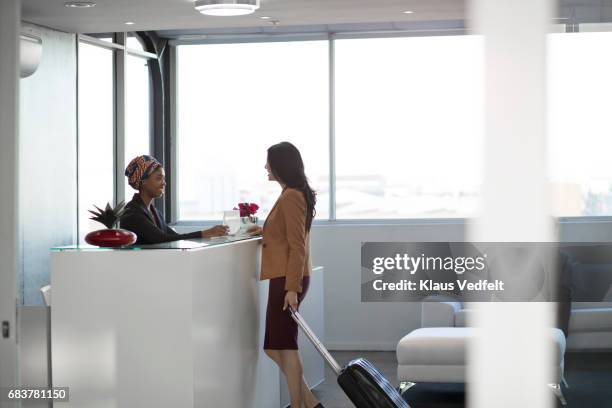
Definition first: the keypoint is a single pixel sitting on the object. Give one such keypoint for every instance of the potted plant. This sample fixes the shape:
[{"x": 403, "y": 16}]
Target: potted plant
[{"x": 110, "y": 237}]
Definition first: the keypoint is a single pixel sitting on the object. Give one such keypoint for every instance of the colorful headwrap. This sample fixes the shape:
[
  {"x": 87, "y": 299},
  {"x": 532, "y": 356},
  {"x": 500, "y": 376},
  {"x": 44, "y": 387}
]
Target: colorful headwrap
[{"x": 139, "y": 169}]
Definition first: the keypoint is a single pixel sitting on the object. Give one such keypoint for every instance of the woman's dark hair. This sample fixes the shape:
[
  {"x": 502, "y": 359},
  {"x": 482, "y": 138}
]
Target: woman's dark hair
[{"x": 286, "y": 165}]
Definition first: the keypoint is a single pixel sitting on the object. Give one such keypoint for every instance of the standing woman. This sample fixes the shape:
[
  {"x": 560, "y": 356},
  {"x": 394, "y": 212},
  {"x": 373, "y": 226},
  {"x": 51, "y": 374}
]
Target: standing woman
[{"x": 285, "y": 261}]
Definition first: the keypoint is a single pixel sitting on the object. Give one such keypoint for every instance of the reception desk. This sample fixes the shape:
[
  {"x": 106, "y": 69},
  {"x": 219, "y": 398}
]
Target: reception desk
[{"x": 172, "y": 325}]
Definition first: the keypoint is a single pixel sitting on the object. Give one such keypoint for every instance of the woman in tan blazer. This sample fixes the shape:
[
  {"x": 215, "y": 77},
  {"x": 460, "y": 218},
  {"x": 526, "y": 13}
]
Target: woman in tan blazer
[{"x": 285, "y": 261}]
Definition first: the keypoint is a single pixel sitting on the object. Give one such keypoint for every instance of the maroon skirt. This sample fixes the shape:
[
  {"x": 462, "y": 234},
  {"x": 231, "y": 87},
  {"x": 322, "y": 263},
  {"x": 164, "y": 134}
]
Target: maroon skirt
[{"x": 281, "y": 329}]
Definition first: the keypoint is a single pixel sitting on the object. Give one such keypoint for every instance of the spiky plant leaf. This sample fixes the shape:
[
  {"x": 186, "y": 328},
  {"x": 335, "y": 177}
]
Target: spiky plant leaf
[{"x": 109, "y": 216}]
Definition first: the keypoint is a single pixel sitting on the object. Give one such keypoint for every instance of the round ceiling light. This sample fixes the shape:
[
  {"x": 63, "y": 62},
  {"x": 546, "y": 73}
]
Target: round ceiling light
[
  {"x": 226, "y": 7},
  {"x": 79, "y": 4}
]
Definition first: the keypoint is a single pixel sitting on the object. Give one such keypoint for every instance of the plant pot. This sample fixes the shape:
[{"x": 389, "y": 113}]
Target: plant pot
[{"x": 110, "y": 238}]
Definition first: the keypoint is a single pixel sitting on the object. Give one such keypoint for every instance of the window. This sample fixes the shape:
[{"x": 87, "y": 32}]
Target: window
[
  {"x": 409, "y": 126},
  {"x": 138, "y": 107},
  {"x": 236, "y": 100},
  {"x": 579, "y": 86},
  {"x": 134, "y": 43},
  {"x": 96, "y": 133}
]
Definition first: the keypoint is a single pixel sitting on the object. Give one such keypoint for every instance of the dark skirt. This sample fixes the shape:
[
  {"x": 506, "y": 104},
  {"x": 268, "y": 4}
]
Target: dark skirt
[{"x": 281, "y": 329}]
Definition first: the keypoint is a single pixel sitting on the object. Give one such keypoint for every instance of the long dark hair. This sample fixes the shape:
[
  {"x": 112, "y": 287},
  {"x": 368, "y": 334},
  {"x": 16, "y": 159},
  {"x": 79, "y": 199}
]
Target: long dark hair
[{"x": 286, "y": 164}]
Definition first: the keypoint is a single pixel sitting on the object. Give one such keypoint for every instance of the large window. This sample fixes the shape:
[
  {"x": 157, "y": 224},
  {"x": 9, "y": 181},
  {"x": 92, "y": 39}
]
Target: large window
[
  {"x": 580, "y": 128},
  {"x": 234, "y": 101},
  {"x": 110, "y": 77},
  {"x": 138, "y": 107},
  {"x": 96, "y": 132},
  {"x": 409, "y": 115},
  {"x": 408, "y": 126}
]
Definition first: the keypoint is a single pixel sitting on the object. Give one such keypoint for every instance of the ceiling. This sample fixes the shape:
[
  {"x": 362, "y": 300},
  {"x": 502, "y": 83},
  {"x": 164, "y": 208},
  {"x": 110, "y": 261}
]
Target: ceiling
[
  {"x": 178, "y": 16},
  {"x": 111, "y": 15}
]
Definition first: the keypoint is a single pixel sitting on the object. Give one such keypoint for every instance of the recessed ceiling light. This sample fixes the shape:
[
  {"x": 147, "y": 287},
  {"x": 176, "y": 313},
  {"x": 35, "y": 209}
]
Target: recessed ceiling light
[
  {"x": 226, "y": 7},
  {"x": 265, "y": 18},
  {"x": 79, "y": 4},
  {"x": 129, "y": 23},
  {"x": 408, "y": 12}
]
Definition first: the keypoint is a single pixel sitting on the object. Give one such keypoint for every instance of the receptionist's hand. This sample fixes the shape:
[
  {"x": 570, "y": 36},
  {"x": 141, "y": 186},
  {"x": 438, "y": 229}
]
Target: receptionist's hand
[
  {"x": 216, "y": 231},
  {"x": 255, "y": 230}
]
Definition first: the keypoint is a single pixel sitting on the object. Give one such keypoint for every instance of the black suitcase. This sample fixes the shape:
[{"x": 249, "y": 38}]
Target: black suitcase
[{"x": 359, "y": 379}]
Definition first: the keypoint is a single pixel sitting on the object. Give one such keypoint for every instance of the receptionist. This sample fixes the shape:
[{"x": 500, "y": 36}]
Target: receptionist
[{"x": 146, "y": 175}]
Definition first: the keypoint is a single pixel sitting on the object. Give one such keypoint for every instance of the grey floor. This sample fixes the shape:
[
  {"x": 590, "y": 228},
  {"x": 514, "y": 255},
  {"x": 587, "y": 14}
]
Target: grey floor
[{"x": 589, "y": 376}]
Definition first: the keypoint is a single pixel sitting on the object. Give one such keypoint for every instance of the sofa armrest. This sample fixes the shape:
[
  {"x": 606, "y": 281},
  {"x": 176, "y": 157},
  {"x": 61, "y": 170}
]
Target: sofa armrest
[{"x": 439, "y": 312}]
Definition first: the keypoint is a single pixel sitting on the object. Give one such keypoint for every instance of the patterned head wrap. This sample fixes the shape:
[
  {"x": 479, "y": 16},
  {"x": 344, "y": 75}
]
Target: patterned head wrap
[{"x": 139, "y": 169}]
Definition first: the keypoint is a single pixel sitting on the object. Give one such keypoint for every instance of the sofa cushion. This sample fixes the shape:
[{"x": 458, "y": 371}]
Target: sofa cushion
[
  {"x": 447, "y": 346},
  {"x": 434, "y": 346},
  {"x": 591, "y": 305},
  {"x": 462, "y": 317},
  {"x": 591, "y": 320}
]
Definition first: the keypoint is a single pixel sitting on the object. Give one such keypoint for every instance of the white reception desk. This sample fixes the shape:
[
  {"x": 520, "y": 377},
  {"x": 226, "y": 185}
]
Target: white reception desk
[{"x": 172, "y": 325}]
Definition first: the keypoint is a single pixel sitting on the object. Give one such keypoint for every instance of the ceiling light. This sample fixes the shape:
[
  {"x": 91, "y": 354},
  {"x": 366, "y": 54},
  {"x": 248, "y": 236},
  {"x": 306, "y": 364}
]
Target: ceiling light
[
  {"x": 408, "y": 12},
  {"x": 79, "y": 4},
  {"x": 130, "y": 23},
  {"x": 265, "y": 18},
  {"x": 226, "y": 7}
]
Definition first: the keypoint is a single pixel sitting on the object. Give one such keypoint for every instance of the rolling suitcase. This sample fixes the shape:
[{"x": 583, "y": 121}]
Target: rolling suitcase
[{"x": 359, "y": 379}]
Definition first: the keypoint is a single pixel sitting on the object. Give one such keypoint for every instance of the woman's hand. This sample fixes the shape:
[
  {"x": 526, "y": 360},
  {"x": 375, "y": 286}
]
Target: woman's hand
[
  {"x": 255, "y": 230},
  {"x": 291, "y": 300},
  {"x": 216, "y": 231}
]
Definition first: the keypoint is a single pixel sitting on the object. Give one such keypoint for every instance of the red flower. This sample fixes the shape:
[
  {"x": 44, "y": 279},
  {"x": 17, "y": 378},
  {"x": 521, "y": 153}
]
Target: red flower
[
  {"x": 253, "y": 208},
  {"x": 247, "y": 209}
]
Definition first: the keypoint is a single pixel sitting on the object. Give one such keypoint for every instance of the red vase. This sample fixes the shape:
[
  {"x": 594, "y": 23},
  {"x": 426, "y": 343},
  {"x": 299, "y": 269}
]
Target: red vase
[{"x": 110, "y": 238}]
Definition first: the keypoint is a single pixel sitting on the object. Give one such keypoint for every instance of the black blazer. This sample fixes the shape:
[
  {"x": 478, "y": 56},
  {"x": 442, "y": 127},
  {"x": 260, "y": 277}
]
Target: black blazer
[{"x": 140, "y": 221}]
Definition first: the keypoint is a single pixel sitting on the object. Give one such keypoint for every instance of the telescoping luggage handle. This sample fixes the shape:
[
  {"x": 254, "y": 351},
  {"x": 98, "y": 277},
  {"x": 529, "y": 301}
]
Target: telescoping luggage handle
[{"x": 315, "y": 341}]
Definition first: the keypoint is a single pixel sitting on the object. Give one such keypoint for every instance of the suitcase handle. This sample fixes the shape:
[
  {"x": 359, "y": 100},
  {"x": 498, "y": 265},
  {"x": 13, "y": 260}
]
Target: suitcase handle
[{"x": 333, "y": 364}]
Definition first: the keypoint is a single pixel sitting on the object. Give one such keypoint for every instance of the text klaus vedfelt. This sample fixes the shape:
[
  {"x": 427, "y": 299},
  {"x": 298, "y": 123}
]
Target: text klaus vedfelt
[{"x": 412, "y": 264}]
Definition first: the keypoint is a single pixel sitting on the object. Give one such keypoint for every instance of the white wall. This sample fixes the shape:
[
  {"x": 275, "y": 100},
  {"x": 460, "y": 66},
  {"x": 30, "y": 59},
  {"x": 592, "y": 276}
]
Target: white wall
[
  {"x": 349, "y": 323},
  {"x": 47, "y": 167}
]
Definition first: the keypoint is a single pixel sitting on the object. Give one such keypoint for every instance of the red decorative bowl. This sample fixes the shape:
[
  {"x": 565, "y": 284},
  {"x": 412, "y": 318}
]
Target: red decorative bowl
[{"x": 110, "y": 238}]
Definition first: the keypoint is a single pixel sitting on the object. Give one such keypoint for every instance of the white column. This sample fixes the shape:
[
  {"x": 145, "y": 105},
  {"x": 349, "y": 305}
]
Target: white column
[
  {"x": 10, "y": 16},
  {"x": 508, "y": 365}
]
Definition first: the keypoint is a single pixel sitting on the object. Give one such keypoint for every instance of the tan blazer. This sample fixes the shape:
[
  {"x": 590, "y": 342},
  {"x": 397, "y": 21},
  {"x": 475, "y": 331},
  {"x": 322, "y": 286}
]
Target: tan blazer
[{"x": 286, "y": 244}]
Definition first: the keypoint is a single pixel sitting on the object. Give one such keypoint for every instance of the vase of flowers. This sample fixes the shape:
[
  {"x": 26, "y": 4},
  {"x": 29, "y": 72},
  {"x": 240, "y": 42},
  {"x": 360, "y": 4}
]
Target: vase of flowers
[
  {"x": 110, "y": 237},
  {"x": 247, "y": 215}
]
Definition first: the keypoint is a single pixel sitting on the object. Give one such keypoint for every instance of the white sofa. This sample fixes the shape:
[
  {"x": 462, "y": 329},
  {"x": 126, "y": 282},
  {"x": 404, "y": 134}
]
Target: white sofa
[
  {"x": 438, "y": 355},
  {"x": 590, "y": 324},
  {"x": 585, "y": 274}
]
